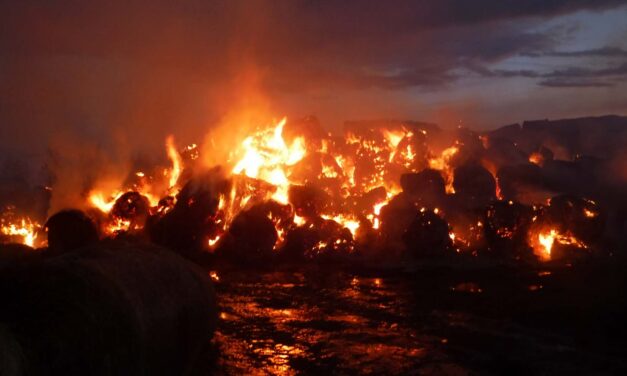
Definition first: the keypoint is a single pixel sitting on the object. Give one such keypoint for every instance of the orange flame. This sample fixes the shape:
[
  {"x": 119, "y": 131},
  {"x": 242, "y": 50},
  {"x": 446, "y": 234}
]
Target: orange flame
[
  {"x": 267, "y": 157},
  {"x": 177, "y": 162},
  {"x": 25, "y": 229},
  {"x": 442, "y": 163}
]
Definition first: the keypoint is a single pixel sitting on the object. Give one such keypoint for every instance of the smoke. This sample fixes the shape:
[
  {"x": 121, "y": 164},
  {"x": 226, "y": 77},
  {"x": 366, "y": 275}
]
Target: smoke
[{"x": 78, "y": 167}]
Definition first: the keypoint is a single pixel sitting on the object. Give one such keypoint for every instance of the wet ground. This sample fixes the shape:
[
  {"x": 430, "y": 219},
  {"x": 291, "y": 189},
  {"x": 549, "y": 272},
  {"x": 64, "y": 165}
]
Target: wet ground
[{"x": 429, "y": 321}]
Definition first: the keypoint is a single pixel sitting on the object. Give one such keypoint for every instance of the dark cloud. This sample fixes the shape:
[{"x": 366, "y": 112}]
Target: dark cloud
[
  {"x": 570, "y": 83},
  {"x": 567, "y": 73},
  {"x": 139, "y": 69},
  {"x": 602, "y": 52}
]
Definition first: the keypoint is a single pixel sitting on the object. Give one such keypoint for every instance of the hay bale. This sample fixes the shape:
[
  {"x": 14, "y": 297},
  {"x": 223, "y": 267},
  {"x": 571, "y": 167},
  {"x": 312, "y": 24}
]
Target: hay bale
[
  {"x": 427, "y": 187},
  {"x": 69, "y": 230},
  {"x": 427, "y": 235},
  {"x": 474, "y": 184},
  {"x": 108, "y": 309}
]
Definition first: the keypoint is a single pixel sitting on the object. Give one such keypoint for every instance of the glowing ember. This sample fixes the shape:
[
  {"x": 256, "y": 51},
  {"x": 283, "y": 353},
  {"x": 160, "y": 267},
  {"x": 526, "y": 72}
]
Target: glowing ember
[
  {"x": 536, "y": 158},
  {"x": 589, "y": 213}
]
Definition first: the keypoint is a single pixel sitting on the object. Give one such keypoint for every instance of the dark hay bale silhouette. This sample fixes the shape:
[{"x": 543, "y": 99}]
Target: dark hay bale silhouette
[
  {"x": 69, "y": 230},
  {"x": 108, "y": 309}
]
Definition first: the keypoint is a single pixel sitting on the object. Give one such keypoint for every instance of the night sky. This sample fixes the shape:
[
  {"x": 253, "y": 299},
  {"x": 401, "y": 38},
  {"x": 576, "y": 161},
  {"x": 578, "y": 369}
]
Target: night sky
[{"x": 106, "y": 74}]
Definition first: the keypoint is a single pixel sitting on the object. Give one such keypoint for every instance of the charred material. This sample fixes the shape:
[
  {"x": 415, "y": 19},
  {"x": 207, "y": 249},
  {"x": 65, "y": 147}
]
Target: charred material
[
  {"x": 426, "y": 188},
  {"x": 427, "y": 235},
  {"x": 506, "y": 227}
]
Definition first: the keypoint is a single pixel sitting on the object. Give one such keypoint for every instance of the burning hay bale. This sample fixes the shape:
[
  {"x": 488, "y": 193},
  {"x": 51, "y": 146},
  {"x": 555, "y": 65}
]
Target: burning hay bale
[
  {"x": 580, "y": 216},
  {"x": 133, "y": 208},
  {"x": 69, "y": 230},
  {"x": 308, "y": 200},
  {"x": 427, "y": 235},
  {"x": 193, "y": 218},
  {"x": 295, "y": 189},
  {"x": 506, "y": 227},
  {"x": 523, "y": 183},
  {"x": 396, "y": 218},
  {"x": 566, "y": 228},
  {"x": 108, "y": 309},
  {"x": 426, "y": 188},
  {"x": 503, "y": 152},
  {"x": 255, "y": 233},
  {"x": 474, "y": 185},
  {"x": 320, "y": 239}
]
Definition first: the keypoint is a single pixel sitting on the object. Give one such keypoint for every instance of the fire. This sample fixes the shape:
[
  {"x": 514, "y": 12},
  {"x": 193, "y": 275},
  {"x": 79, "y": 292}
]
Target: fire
[
  {"x": 536, "y": 158},
  {"x": 118, "y": 225},
  {"x": 177, "y": 162},
  {"x": 212, "y": 242},
  {"x": 546, "y": 241},
  {"x": 346, "y": 179},
  {"x": 348, "y": 222},
  {"x": 267, "y": 157},
  {"x": 102, "y": 203},
  {"x": 25, "y": 230},
  {"x": 442, "y": 163},
  {"x": 589, "y": 213},
  {"x": 548, "y": 238}
]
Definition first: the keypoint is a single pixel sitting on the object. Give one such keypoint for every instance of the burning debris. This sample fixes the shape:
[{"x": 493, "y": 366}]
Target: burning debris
[{"x": 291, "y": 191}]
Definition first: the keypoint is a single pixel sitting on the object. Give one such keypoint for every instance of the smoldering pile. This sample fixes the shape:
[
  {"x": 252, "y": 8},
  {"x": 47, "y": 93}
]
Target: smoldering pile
[{"x": 387, "y": 191}]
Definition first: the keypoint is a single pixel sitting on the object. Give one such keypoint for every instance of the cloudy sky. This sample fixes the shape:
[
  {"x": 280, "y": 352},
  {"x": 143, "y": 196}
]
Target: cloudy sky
[{"x": 133, "y": 72}]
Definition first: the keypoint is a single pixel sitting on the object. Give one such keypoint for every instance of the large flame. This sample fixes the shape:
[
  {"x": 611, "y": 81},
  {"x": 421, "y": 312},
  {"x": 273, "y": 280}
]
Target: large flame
[
  {"x": 266, "y": 156},
  {"x": 177, "y": 162},
  {"x": 24, "y": 230}
]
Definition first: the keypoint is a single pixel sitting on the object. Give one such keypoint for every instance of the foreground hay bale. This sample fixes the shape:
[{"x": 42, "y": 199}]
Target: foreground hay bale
[
  {"x": 108, "y": 309},
  {"x": 68, "y": 230}
]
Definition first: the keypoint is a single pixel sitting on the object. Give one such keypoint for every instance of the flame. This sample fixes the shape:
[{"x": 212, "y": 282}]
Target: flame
[
  {"x": 25, "y": 229},
  {"x": 99, "y": 200},
  {"x": 213, "y": 241},
  {"x": 118, "y": 225},
  {"x": 348, "y": 222},
  {"x": 177, "y": 162},
  {"x": 298, "y": 220},
  {"x": 536, "y": 158},
  {"x": 546, "y": 240},
  {"x": 267, "y": 157},
  {"x": 589, "y": 213},
  {"x": 214, "y": 276},
  {"x": 442, "y": 164}
]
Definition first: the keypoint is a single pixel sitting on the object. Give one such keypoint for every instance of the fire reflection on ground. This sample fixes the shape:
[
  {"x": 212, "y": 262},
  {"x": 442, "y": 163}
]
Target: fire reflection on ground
[
  {"x": 432, "y": 322},
  {"x": 288, "y": 323}
]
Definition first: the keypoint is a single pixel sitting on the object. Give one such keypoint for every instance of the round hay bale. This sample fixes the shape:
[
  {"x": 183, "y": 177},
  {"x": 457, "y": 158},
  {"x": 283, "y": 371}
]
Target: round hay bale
[
  {"x": 108, "y": 309},
  {"x": 69, "y": 230}
]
